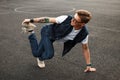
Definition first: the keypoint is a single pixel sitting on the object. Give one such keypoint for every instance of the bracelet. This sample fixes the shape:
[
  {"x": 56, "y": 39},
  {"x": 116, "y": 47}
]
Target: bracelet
[
  {"x": 31, "y": 20},
  {"x": 89, "y": 65}
]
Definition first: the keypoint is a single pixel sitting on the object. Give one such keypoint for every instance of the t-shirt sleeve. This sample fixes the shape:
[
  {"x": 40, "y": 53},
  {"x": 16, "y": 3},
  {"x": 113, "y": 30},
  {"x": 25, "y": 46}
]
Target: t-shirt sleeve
[
  {"x": 85, "y": 41},
  {"x": 60, "y": 19}
]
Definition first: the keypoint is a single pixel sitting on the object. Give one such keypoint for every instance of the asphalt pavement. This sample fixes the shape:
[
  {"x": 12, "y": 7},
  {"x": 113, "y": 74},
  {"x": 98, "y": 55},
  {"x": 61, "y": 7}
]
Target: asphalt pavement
[{"x": 17, "y": 62}]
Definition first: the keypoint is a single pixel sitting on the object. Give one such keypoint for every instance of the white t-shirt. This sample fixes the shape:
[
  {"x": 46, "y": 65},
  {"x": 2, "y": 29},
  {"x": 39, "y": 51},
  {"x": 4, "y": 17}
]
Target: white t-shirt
[{"x": 72, "y": 34}]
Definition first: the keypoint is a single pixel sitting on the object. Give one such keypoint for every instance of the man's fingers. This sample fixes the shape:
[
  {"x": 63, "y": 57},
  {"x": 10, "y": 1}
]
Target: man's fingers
[
  {"x": 86, "y": 70},
  {"x": 90, "y": 70}
]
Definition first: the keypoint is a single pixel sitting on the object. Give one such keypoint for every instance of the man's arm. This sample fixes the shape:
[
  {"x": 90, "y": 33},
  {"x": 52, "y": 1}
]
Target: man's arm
[
  {"x": 86, "y": 53},
  {"x": 40, "y": 20}
]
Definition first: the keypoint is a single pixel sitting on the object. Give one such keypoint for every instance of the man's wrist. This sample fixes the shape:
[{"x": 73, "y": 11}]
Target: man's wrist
[
  {"x": 31, "y": 20},
  {"x": 89, "y": 65}
]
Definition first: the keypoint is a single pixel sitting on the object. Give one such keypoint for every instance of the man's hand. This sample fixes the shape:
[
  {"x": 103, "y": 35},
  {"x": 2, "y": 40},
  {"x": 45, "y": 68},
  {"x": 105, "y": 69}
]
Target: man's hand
[
  {"x": 27, "y": 21},
  {"x": 90, "y": 69}
]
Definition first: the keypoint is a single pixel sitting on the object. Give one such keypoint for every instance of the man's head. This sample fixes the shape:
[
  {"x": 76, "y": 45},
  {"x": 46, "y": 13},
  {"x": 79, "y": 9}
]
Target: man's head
[{"x": 80, "y": 18}]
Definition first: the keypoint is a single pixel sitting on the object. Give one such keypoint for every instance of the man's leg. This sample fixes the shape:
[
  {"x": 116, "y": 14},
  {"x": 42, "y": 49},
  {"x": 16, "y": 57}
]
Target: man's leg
[
  {"x": 34, "y": 45},
  {"x": 36, "y": 50},
  {"x": 48, "y": 50},
  {"x": 45, "y": 47}
]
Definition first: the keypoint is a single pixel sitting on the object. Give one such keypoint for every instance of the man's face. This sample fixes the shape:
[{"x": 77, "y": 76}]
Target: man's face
[{"x": 76, "y": 22}]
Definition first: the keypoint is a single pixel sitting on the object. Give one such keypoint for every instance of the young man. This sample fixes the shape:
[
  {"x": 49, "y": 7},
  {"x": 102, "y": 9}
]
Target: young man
[{"x": 70, "y": 30}]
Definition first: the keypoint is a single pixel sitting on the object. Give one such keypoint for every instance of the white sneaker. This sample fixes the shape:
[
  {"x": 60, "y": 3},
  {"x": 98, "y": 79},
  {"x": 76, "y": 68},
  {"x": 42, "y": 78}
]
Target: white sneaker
[
  {"x": 28, "y": 27},
  {"x": 41, "y": 64}
]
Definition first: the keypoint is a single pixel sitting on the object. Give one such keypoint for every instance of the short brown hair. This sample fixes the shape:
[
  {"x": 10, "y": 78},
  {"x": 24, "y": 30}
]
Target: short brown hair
[{"x": 84, "y": 15}]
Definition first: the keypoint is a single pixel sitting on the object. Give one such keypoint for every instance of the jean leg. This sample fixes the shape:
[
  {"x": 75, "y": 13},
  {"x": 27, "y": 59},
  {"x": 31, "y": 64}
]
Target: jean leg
[
  {"x": 34, "y": 45},
  {"x": 41, "y": 46},
  {"x": 45, "y": 48},
  {"x": 48, "y": 49}
]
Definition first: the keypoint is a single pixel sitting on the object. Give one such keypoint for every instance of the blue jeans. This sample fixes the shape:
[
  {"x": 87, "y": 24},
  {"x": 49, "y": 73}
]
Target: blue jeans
[{"x": 44, "y": 49}]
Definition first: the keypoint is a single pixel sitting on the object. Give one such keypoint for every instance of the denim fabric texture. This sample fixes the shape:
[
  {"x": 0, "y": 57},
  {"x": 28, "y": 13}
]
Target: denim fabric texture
[{"x": 44, "y": 49}]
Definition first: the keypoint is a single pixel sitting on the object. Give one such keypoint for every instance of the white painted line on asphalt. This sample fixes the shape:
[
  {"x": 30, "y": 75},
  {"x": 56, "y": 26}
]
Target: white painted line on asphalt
[{"x": 22, "y": 10}]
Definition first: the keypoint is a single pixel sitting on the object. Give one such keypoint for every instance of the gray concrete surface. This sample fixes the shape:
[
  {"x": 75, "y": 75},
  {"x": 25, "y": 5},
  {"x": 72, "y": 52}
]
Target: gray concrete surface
[{"x": 17, "y": 62}]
